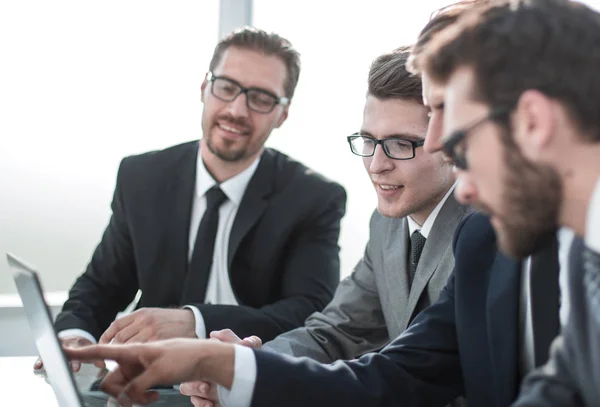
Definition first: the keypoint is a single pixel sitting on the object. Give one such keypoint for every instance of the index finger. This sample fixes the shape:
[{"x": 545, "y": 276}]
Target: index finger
[
  {"x": 94, "y": 353},
  {"x": 115, "y": 327}
]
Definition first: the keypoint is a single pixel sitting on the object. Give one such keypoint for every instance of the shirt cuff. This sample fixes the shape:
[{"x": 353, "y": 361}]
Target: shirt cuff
[
  {"x": 200, "y": 326},
  {"x": 77, "y": 332},
  {"x": 592, "y": 227},
  {"x": 244, "y": 379}
]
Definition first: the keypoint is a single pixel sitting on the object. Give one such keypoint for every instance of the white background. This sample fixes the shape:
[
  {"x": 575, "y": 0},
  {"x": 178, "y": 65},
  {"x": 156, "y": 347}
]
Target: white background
[{"x": 83, "y": 84}]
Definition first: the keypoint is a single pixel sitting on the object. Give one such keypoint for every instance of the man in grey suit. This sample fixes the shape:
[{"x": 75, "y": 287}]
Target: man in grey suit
[{"x": 416, "y": 211}]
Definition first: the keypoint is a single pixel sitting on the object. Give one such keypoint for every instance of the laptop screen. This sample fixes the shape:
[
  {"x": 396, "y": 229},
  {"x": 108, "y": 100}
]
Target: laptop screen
[{"x": 40, "y": 320}]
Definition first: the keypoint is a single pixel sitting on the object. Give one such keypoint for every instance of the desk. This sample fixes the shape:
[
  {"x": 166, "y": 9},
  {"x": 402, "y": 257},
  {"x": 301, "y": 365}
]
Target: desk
[{"x": 22, "y": 386}]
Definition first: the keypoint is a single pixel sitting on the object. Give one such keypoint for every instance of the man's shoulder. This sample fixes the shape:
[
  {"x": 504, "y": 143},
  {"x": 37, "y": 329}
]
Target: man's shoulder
[
  {"x": 158, "y": 159},
  {"x": 474, "y": 233},
  {"x": 290, "y": 173}
]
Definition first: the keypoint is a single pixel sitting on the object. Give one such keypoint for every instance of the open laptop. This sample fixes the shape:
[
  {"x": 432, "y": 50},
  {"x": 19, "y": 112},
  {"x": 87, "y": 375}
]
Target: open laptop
[{"x": 57, "y": 368}]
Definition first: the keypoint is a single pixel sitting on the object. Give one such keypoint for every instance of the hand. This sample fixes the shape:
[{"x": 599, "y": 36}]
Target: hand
[
  {"x": 70, "y": 342},
  {"x": 151, "y": 324},
  {"x": 203, "y": 393},
  {"x": 142, "y": 366}
]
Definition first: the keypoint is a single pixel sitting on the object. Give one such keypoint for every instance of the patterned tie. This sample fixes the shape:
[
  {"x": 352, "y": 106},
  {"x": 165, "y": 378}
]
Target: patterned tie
[
  {"x": 591, "y": 279},
  {"x": 202, "y": 256},
  {"x": 417, "y": 242}
]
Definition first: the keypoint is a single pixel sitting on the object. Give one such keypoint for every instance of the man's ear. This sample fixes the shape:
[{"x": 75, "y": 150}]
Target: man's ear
[
  {"x": 533, "y": 123},
  {"x": 283, "y": 117}
]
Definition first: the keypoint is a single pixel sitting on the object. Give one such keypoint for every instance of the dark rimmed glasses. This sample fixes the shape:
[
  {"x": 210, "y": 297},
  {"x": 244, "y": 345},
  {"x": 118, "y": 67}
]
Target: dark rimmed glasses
[
  {"x": 396, "y": 148},
  {"x": 454, "y": 146},
  {"x": 257, "y": 99}
]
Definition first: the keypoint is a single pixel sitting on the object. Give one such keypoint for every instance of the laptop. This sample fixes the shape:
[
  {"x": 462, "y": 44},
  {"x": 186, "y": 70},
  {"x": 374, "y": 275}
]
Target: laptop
[{"x": 57, "y": 368}]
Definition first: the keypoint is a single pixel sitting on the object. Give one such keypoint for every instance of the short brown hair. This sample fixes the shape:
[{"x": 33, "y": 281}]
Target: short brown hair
[
  {"x": 439, "y": 20},
  {"x": 513, "y": 46},
  {"x": 268, "y": 43},
  {"x": 389, "y": 78}
]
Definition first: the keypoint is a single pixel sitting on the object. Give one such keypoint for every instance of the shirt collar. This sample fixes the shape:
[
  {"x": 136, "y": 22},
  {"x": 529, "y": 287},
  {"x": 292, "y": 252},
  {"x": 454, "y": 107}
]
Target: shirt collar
[
  {"x": 234, "y": 188},
  {"x": 428, "y": 224},
  {"x": 592, "y": 226}
]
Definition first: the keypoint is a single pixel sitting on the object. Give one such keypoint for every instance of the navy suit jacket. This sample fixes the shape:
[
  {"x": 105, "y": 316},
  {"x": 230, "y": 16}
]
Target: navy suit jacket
[{"x": 464, "y": 344}]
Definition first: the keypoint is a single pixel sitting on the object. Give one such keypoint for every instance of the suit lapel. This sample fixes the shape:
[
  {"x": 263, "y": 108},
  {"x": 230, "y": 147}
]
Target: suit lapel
[
  {"x": 178, "y": 208},
  {"x": 253, "y": 203},
  {"x": 544, "y": 298},
  {"x": 395, "y": 255},
  {"x": 502, "y": 322},
  {"x": 439, "y": 238}
]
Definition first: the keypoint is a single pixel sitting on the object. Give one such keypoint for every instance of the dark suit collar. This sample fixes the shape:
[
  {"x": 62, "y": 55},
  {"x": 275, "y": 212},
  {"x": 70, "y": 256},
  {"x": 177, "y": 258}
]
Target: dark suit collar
[
  {"x": 253, "y": 203},
  {"x": 502, "y": 326},
  {"x": 177, "y": 206}
]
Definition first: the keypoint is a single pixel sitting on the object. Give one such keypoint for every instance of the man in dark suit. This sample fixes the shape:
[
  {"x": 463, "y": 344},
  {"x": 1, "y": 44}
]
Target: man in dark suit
[
  {"x": 238, "y": 235},
  {"x": 475, "y": 341}
]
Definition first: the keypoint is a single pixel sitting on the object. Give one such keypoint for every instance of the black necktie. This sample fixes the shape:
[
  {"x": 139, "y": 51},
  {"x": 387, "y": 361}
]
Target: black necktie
[
  {"x": 417, "y": 242},
  {"x": 202, "y": 256},
  {"x": 545, "y": 299}
]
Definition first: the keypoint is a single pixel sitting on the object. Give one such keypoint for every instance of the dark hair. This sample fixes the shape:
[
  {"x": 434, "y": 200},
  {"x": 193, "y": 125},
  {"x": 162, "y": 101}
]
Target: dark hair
[
  {"x": 552, "y": 46},
  {"x": 439, "y": 20},
  {"x": 269, "y": 44},
  {"x": 389, "y": 78}
]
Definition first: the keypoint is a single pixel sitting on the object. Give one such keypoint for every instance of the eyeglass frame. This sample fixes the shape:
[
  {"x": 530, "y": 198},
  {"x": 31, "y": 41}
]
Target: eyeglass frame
[
  {"x": 381, "y": 142},
  {"x": 457, "y": 137},
  {"x": 283, "y": 101}
]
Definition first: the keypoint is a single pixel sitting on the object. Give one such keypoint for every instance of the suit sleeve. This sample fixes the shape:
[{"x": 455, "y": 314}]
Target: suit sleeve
[
  {"x": 419, "y": 368},
  {"x": 309, "y": 278},
  {"x": 551, "y": 384},
  {"x": 110, "y": 280},
  {"x": 351, "y": 325}
]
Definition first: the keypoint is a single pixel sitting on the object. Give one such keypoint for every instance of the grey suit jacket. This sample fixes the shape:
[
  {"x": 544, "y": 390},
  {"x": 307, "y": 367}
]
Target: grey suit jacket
[{"x": 374, "y": 304}]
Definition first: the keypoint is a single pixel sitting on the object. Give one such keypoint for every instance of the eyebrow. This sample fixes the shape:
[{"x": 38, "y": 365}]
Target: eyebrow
[{"x": 406, "y": 136}]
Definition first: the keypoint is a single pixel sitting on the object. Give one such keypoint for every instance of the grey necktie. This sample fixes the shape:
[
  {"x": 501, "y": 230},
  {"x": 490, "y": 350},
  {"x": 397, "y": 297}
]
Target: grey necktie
[
  {"x": 591, "y": 279},
  {"x": 417, "y": 242}
]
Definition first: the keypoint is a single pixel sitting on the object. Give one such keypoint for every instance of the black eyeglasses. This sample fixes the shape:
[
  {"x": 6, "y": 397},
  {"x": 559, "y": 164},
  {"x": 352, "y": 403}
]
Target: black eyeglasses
[
  {"x": 396, "y": 148},
  {"x": 454, "y": 146},
  {"x": 259, "y": 100}
]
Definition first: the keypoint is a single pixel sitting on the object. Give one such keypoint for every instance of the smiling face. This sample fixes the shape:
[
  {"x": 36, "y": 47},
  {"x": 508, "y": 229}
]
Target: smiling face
[
  {"x": 522, "y": 198},
  {"x": 404, "y": 187},
  {"x": 231, "y": 131}
]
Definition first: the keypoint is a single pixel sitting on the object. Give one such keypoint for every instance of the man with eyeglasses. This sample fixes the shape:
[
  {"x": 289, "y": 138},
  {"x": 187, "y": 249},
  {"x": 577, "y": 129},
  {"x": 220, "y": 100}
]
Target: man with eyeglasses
[
  {"x": 467, "y": 343},
  {"x": 409, "y": 254},
  {"x": 220, "y": 232}
]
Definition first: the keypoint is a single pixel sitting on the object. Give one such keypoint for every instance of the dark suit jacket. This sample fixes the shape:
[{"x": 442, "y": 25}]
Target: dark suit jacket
[
  {"x": 572, "y": 375},
  {"x": 283, "y": 255},
  {"x": 464, "y": 344}
]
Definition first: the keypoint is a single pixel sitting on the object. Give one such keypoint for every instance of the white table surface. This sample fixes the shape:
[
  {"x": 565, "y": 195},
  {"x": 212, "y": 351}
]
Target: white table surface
[{"x": 21, "y": 386}]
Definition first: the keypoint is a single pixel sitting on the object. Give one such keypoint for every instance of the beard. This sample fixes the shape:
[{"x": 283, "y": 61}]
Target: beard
[
  {"x": 531, "y": 203},
  {"x": 228, "y": 151}
]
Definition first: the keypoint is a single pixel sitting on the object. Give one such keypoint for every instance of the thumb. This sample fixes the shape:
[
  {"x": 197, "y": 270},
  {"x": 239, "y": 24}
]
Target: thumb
[
  {"x": 226, "y": 335},
  {"x": 136, "y": 390},
  {"x": 252, "y": 342}
]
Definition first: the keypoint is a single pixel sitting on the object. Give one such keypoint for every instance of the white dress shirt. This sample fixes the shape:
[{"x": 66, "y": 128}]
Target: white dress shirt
[
  {"x": 592, "y": 225},
  {"x": 428, "y": 224},
  {"x": 219, "y": 289},
  {"x": 527, "y": 351},
  {"x": 244, "y": 374}
]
